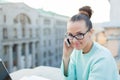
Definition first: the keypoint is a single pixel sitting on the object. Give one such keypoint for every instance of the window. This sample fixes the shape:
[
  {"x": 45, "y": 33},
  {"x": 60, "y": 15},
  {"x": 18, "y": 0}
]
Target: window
[
  {"x": 44, "y": 54},
  {"x": 23, "y": 32},
  {"x": 58, "y": 23},
  {"x": 56, "y": 50},
  {"x": 5, "y": 52},
  {"x": 5, "y": 49},
  {"x": 44, "y": 31},
  {"x": 47, "y": 31},
  {"x": 56, "y": 57},
  {"x": 36, "y": 45},
  {"x": 44, "y": 63},
  {"x": 50, "y": 62},
  {"x": 37, "y": 32},
  {"x": 5, "y": 33},
  {"x": 15, "y": 21},
  {"x": 47, "y": 21},
  {"x": 30, "y": 32},
  {"x": 23, "y": 49},
  {"x": 30, "y": 48},
  {"x": 4, "y": 18},
  {"x": 15, "y": 33},
  {"x": 22, "y": 18},
  {"x": 44, "y": 43},
  {"x": 49, "y": 52},
  {"x": 49, "y": 42}
]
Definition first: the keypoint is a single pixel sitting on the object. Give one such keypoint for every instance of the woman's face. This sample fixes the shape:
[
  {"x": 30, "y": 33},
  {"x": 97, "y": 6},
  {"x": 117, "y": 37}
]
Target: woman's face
[{"x": 76, "y": 28}]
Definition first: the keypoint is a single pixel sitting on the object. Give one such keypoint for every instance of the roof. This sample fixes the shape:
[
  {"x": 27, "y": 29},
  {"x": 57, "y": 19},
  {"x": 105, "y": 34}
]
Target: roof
[
  {"x": 111, "y": 24},
  {"x": 50, "y": 13}
]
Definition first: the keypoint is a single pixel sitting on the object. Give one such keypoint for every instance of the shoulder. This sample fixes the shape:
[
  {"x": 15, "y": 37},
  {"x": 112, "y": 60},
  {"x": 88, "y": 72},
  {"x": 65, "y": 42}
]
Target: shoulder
[
  {"x": 102, "y": 51},
  {"x": 102, "y": 55}
]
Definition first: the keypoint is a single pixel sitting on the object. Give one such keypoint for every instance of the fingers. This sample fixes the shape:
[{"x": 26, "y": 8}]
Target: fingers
[{"x": 64, "y": 43}]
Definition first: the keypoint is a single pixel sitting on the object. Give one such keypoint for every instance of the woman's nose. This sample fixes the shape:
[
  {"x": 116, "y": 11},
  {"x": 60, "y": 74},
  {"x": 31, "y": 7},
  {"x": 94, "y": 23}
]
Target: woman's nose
[{"x": 74, "y": 40}]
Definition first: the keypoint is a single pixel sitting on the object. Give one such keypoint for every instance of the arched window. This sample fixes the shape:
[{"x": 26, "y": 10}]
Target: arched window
[{"x": 22, "y": 18}]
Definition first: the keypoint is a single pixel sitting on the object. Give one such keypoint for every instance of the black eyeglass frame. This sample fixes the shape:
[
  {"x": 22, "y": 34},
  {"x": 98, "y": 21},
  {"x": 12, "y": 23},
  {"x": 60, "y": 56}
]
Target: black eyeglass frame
[{"x": 76, "y": 36}]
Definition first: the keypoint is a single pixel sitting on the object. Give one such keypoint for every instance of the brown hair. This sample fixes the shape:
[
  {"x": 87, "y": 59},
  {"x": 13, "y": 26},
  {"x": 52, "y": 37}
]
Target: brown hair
[
  {"x": 86, "y": 10},
  {"x": 79, "y": 17}
]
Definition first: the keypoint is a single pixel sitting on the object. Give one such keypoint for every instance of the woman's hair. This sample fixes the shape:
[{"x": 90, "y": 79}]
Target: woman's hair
[
  {"x": 83, "y": 16},
  {"x": 86, "y": 10}
]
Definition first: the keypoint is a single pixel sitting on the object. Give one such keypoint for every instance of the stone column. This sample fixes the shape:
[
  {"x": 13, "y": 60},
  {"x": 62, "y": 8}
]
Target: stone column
[
  {"x": 19, "y": 51},
  {"x": 26, "y": 55},
  {"x": 33, "y": 54},
  {"x": 10, "y": 62}
]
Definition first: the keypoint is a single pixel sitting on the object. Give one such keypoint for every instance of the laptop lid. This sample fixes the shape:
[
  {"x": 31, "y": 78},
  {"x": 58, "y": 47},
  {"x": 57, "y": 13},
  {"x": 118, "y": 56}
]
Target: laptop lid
[{"x": 4, "y": 75}]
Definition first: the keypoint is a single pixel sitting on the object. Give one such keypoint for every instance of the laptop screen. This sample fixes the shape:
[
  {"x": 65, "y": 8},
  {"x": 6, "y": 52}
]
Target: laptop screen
[{"x": 4, "y": 75}]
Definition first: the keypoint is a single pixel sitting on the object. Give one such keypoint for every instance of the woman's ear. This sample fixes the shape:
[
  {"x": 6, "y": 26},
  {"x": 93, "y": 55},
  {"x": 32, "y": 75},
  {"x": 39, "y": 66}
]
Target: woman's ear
[{"x": 91, "y": 32}]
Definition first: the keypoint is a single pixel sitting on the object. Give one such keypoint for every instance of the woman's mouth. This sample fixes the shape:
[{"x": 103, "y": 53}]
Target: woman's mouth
[{"x": 77, "y": 45}]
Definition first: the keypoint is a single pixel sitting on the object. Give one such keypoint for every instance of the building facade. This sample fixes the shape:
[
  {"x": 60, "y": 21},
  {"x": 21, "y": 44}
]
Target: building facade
[
  {"x": 110, "y": 31},
  {"x": 30, "y": 37},
  {"x": 114, "y": 10}
]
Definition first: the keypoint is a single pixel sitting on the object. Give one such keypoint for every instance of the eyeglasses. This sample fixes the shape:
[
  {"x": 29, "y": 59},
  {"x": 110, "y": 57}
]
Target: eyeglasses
[{"x": 78, "y": 36}]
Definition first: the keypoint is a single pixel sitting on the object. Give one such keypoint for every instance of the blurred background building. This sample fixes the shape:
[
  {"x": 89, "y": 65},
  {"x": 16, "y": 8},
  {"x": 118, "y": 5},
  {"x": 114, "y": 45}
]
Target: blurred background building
[
  {"x": 30, "y": 37},
  {"x": 108, "y": 33}
]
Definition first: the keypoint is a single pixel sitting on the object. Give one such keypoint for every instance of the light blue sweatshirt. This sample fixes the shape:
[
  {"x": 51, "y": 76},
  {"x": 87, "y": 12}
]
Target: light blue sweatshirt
[{"x": 97, "y": 64}]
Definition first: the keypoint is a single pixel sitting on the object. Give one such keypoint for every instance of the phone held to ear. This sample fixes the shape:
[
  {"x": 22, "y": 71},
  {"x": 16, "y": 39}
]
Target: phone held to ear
[{"x": 68, "y": 42}]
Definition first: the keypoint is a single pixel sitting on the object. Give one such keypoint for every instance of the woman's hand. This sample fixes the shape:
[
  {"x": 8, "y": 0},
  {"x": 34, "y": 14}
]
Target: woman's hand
[{"x": 67, "y": 50}]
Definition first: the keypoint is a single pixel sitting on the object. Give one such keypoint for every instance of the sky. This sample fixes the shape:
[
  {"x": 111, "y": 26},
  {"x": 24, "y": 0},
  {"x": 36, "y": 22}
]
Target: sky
[{"x": 101, "y": 8}]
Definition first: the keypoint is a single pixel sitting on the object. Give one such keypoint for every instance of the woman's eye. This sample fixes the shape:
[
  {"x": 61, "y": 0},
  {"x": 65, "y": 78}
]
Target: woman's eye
[
  {"x": 70, "y": 35},
  {"x": 79, "y": 34}
]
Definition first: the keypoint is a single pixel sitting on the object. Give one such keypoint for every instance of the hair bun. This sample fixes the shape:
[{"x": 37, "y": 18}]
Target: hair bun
[{"x": 86, "y": 10}]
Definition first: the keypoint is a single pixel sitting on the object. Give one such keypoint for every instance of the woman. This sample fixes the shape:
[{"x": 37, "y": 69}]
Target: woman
[{"x": 84, "y": 59}]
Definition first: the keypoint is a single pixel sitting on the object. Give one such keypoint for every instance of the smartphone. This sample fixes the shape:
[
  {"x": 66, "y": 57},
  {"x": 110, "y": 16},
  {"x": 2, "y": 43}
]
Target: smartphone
[{"x": 68, "y": 42}]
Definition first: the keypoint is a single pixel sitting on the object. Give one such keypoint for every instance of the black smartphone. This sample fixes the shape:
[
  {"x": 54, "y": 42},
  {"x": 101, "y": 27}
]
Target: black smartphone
[{"x": 68, "y": 42}]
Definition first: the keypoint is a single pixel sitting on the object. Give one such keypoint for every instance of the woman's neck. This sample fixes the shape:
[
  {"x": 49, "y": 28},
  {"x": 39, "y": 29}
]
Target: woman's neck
[{"x": 88, "y": 47}]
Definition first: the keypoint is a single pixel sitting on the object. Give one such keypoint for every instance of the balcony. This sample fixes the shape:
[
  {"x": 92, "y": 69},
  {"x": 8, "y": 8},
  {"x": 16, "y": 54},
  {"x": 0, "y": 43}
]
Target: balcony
[{"x": 51, "y": 73}]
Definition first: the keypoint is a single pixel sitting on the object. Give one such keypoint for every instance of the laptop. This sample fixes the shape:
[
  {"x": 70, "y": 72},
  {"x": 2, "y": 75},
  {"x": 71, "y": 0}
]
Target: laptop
[{"x": 4, "y": 75}]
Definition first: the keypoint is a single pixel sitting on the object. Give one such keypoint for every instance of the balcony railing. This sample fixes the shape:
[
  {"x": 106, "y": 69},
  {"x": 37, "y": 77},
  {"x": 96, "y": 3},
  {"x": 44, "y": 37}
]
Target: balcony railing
[{"x": 51, "y": 73}]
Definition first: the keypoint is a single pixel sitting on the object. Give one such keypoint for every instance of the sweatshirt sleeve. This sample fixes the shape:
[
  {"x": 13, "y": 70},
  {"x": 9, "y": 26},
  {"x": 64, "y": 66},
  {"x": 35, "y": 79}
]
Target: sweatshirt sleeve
[
  {"x": 71, "y": 69},
  {"x": 103, "y": 69}
]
